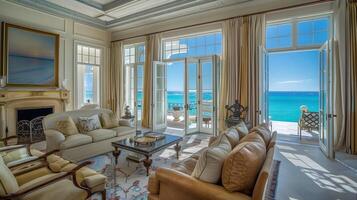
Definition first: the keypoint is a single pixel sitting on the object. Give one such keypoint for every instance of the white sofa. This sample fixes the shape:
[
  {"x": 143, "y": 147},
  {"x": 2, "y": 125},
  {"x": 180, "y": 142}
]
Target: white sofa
[{"x": 82, "y": 146}]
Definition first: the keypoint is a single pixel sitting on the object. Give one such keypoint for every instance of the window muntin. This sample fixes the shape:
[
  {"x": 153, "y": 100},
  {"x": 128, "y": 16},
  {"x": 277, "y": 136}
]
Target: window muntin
[
  {"x": 298, "y": 33},
  {"x": 279, "y": 36},
  {"x": 88, "y": 75},
  {"x": 312, "y": 32},
  {"x": 194, "y": 46}
]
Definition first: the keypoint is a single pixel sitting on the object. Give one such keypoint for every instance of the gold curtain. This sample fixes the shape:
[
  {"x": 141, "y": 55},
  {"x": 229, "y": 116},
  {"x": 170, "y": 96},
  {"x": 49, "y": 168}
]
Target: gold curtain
[
  {"x": 152, "y": 53},
  {"x": 114, "y": 80},
  {"x": 351, "y": 118},
  {"x": 242, "y": 37}
]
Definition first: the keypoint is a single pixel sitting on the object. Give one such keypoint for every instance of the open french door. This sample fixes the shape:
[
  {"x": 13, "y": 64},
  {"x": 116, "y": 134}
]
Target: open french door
[
  {"x": 263, "y": 86},
  {"x": 326, "y": 100},
  {"x": 192, "y": 95},
  {"x": 159, "y": 95}
]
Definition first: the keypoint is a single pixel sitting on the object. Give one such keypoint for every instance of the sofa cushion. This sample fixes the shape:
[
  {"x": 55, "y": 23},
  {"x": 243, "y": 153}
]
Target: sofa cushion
[
  {"x": 209, "y": 164},
  {"x": 109, "y": 120},
  {"x": 63, "y": 189},
  {"x": 241, "y": 129},
  {"x": 241, "y": 167},
  {"x": 262, "y": 180},
  {"x": 101, "y": 134},
  {"x": 67, "y": 126},
  {"x": 86, "y": 124},
  {"x": 8, "y": 183},
  {"x": 123, "y": 130},
  {"x": 75, "y": 140},
  {"x": 264, "y": 132}
]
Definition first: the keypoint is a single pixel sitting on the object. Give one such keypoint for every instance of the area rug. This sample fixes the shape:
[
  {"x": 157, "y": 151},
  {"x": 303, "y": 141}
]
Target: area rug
[
  {"x": 128, "y": 180},
  {"x": 272, "y": 185}
]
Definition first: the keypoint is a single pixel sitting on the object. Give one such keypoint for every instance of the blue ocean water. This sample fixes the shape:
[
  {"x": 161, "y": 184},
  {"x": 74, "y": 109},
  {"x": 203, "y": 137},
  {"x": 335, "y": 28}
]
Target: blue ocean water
[{"x": 283, "y": 106}]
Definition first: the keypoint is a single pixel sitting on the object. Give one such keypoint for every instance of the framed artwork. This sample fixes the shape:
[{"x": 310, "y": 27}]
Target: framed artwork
[{"x": 30, "y": 57}]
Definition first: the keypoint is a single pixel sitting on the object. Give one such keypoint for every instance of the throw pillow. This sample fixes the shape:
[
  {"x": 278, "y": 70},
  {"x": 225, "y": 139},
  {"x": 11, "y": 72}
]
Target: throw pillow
[
  {"x": 242, "y": 129},
  {"x": 87, "y": 124},
  {"x": 253, "y": 137},
  {"x": 233, "y": 136},
  {"x": 109, "y": 120},
  {"x": 67, "y": 126},
  {"x": 242, "y": 166},
  {"x": 264, "y": 132},
  {"x": 209, "y": 165}
]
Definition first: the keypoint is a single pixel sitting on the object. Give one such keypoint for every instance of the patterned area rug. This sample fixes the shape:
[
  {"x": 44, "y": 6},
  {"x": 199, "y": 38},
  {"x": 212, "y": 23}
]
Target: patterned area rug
[{"x": 129, "y": 181}]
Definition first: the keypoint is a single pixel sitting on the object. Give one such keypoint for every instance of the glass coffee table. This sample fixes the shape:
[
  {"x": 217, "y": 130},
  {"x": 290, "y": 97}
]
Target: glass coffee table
[{"x": 147, "y": 150}]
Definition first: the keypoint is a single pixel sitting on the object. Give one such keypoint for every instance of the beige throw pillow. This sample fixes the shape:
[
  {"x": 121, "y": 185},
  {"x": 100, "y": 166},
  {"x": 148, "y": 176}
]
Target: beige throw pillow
[
  {"x": 209, "y": 165},
  {"x": 86, "y": 124},
  {"x": 232, "y": 136},
  {"x": 67, "y": 126},
  {"x": 264, "y": 132},
  {"x": 242, "y": 129},
  {"x": 242, "y": 166},
  {"x": 109, "y": 120}
]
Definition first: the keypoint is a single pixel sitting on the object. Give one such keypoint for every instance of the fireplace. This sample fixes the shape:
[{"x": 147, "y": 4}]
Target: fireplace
[{"x": 29, "y": 124}]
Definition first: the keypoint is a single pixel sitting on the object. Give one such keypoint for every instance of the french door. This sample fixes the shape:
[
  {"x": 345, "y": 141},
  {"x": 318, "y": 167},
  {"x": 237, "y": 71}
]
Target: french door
[
  {"x": 159, "y": 95},
  {"x": 326, "y": 111},
  {"x": 263, "y": 86},
  {"x": 200, "y": 94}
]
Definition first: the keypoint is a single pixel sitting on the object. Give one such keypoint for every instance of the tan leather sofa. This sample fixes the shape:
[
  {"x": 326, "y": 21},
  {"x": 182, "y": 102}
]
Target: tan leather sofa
[
  {"x": 81, "y": 146},
  {"x": 178, "y": 184}
]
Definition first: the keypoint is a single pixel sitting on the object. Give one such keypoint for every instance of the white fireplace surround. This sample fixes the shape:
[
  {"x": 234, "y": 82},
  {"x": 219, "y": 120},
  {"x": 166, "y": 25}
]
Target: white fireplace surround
[{"x": 13, "y": 99}]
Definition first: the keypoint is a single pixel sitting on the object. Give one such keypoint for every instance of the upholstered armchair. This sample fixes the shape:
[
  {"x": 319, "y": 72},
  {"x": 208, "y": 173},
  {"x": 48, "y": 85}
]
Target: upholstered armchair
[
  {"x": 50, "y": 177},
  {"x": 16, "y": 155}
]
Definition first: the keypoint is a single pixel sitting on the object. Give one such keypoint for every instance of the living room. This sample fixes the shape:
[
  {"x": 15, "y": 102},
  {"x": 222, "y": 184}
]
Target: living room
[{"x": 178, "y": 99}]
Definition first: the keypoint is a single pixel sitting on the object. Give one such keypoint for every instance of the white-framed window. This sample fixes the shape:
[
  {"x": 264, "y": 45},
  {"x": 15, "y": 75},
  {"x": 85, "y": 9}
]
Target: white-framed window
[
  {"x": 298, "y": 33},
  {"x": 134, "y": 60},
  {"x": 193, "y": 46},
  {"x": 88, "y": 65}
]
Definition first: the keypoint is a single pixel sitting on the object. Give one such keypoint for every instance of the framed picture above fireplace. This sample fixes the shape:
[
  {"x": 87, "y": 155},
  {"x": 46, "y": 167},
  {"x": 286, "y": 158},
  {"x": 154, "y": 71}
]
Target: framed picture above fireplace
[{"x": 30, "y": 57}]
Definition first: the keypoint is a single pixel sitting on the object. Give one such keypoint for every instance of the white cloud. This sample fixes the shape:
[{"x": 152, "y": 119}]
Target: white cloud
[{"x": 293, "y": 81}]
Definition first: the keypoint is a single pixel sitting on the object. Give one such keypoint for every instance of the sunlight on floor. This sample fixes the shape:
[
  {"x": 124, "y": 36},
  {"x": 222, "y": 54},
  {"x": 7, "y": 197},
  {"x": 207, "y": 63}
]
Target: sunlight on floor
[{"x": 318, "y": 174}]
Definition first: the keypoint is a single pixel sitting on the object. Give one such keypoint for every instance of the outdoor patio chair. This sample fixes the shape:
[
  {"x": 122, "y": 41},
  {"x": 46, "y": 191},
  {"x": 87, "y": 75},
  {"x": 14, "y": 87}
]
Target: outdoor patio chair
[{"x": 308, "y": 121}]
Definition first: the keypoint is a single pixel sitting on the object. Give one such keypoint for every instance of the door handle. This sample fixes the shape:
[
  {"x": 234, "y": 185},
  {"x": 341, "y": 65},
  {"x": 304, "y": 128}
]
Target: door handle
[{"x": 331, "y": 115}]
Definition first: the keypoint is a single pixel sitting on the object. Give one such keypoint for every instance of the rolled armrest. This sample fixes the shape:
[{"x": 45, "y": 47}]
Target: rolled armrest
[
  {"x": 197, "y": 189},
  {"x": 272, "y": 141},
  {"x": 54, "y": 139},
  {"x": 154, "y": 184},
  {"x": 125, "y": 122}
]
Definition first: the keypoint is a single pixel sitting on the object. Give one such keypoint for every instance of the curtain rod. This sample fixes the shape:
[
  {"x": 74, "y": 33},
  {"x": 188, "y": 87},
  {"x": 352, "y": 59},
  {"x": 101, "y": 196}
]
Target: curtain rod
[{"x": 220, "y": 20}]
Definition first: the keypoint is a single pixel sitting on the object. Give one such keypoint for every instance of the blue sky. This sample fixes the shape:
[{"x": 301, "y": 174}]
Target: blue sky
[{"x": 294, "y": 71}]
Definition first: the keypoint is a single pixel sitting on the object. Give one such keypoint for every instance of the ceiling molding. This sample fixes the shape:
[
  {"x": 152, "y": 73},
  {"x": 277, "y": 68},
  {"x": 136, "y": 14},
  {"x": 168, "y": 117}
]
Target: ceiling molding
[{"x": 51, "y": 8}]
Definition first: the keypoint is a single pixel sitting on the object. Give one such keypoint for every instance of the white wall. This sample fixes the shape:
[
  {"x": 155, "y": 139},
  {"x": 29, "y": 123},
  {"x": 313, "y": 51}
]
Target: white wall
[{"x": 70, "y": 31}]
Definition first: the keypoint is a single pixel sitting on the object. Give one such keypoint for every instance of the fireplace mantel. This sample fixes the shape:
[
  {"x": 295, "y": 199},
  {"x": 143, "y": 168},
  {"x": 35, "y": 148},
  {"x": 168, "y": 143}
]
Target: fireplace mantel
[{"x": 12, "y": 99}]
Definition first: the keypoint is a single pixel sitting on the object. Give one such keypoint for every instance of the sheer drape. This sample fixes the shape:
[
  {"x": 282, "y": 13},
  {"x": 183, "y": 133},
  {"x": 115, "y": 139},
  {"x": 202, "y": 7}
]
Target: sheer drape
[
  {"x": 152, "y": 53},
  {"x": 240, "y": 70},
  {"x": 114, "y": 79}
]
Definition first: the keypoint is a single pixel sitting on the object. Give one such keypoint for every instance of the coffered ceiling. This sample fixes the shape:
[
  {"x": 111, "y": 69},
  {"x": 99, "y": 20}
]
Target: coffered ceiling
[{"x": 112, "y": 13}]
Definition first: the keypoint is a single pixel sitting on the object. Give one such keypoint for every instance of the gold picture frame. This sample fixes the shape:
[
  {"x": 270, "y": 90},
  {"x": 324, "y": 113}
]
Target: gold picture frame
[{"x": 27, "y": 67}]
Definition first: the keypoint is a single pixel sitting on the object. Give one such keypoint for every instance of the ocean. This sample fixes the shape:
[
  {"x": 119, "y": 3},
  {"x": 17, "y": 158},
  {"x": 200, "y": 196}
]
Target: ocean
[{"x": 283, "y": 106}]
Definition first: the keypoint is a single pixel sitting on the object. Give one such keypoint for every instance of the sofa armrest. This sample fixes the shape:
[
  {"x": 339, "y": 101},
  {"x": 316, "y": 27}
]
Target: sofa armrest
[
  {"x": 54, "y": 139},
  {"x": 187, "y": 184},
  {"x": 273, "y": 139},
  {"x": 126, "y": 122},
  {"x": 153, "y": 184}
]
